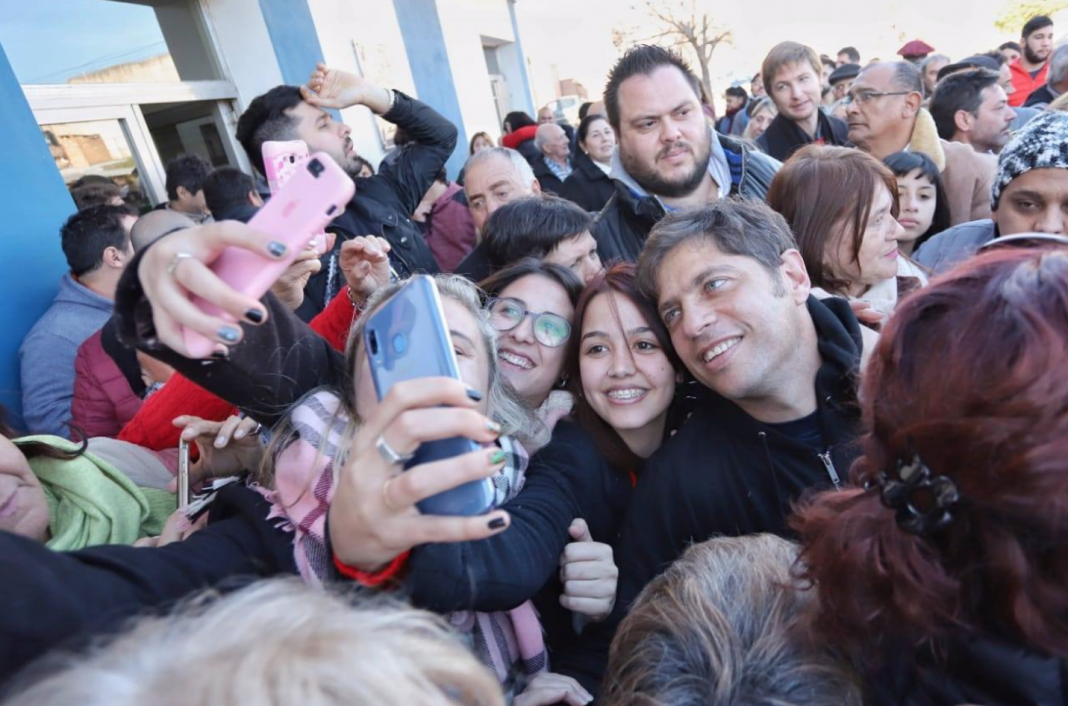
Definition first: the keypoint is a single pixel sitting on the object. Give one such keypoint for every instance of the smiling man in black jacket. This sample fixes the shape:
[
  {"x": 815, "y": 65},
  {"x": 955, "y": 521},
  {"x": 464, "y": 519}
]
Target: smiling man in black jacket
[
  {"x": 781, "y": 366},
  {"x": 383, "y": 203}
]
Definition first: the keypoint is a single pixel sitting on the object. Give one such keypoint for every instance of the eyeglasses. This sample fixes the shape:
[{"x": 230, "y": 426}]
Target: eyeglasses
[
  {"x": 864, "y": 97},
  {"x": 550, "y": 330}
]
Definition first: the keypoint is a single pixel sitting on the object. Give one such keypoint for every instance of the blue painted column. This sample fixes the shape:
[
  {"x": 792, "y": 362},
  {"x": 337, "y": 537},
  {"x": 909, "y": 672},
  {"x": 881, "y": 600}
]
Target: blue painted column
[
  {"x": 35, "y": 202},
  {"x": 424, "y": 43},
  {"x": 527, "y": 93},
  {"x": 296, "y": 43}
]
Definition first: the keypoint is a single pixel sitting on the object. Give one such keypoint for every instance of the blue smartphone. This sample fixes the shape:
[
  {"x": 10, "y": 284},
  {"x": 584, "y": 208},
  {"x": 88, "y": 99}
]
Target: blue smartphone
[{"x": 407, "y": 338}]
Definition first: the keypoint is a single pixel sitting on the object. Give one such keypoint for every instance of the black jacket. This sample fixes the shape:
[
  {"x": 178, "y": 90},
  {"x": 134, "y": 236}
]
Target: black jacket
[
  {"x": 546, "y": 177},
  {"x": 725, "y": 473},
  {"x": 625, "y": 222},
  {"x": 476, "y": 265},
  {"x": 1040, "y": 96},
  {"x": 783, "y": 136},
  {"x": 384, "y": 202},
  {"x": 973, "y": 669},
  {"x": 53, "y": 599},
  {"x": 588, "y": 185}
]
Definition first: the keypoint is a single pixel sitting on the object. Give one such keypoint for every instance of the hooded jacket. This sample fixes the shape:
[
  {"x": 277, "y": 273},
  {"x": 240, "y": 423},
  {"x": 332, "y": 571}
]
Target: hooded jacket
[
  {"x": 384, "y": 202},
  {"x": 784, "y": 137},
  {"x": 589, "y": 186},
  {"x": 727, "y": 474},
  {"x": 624, "y": 224}
]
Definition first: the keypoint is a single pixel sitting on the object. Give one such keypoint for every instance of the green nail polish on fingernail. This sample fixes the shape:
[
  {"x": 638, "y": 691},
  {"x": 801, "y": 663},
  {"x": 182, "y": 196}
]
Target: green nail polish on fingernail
[
  {"x": 494, "y": 427},
  {"x": 497, "y": 457}
]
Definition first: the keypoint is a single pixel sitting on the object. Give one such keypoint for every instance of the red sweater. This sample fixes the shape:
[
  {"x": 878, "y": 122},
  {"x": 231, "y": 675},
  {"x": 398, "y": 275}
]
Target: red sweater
[{"x": 153, "y": 427}]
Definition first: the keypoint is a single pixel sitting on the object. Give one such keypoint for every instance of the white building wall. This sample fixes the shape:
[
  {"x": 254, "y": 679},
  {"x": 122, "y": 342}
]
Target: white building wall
[{"x": 245, "y": 51}]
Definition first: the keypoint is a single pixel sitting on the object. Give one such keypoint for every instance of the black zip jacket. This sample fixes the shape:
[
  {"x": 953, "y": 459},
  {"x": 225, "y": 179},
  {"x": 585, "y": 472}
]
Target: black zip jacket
[
  {"x": 725, "y": 473},
  {"x": 588, "y": 185},
  {"x": 547, "y": 179},
  {"x": 384, "y": 202},
  {"x": 783, "y": 137},
  {"x": 624, "y": 224},
  {"x": 61, "y": 599}
]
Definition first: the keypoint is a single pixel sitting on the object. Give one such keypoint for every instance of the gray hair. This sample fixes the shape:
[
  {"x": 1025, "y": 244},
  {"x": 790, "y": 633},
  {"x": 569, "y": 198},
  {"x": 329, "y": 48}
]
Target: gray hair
[
  {"x": 1058, "y": 66},
  {"x": 932, "y": 59},
  {"x": 275, "y": 642},
  {"x": 724, "y": 626},
  {"x": 736, "y": 226},
  {"x": 541, "y": 135},
  {"x": 905, "y": 75},
  {"x": 519, "y": 163}
]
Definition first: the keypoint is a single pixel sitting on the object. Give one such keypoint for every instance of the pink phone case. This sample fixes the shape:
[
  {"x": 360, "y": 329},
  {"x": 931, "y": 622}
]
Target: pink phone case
[
  {"x": 281, "y": 160},
  {"x": 314, "y": 195}
]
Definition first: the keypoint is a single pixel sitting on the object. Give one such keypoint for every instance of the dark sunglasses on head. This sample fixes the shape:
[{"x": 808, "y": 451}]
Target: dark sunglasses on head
[{"x": 550, "y": 330}]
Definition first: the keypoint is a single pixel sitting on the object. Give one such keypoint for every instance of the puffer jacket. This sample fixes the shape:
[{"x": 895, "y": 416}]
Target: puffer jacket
[{"x": 103, "y": 401}]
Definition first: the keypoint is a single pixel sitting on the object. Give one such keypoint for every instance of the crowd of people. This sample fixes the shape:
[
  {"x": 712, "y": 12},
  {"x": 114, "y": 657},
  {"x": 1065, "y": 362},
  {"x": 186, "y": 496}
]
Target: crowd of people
[{"x": 770, "y": 402}]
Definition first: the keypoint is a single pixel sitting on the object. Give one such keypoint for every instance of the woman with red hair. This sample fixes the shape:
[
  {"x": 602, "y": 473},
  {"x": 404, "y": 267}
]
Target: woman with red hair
[{"x": 945, "y": 571}]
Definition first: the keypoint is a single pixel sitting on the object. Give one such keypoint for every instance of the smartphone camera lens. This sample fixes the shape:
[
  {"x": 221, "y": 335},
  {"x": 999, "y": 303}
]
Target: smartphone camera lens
[
  {"x": 372, "y": 342},
  {"x": 292, "y": 159},
  {"x": 316, "y": 167}
]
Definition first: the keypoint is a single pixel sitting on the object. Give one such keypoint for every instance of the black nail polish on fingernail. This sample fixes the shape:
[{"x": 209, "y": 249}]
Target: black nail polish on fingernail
[
  {"x": 496, "y": 523},
  {"x": 229, "y": 334},
  {"x": 474, "y": 395},
  {"x": 254, "y": 315},
  {"x": 275, "y": 248}
]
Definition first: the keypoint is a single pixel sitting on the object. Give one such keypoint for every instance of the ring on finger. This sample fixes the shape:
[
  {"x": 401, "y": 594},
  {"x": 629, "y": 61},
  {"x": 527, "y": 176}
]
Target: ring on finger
[
  {"x": 176, "y": 260},
  {"x": 388, "y": 454}
]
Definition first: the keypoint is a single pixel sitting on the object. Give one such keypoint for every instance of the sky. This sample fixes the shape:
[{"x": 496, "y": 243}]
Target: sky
[{"x": 576, "y": 36}]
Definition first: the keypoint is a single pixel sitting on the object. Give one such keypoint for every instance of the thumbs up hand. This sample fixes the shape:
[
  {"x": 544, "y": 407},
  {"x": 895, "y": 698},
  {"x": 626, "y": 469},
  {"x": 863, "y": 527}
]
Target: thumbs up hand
[{"x": 589, "y": 574}]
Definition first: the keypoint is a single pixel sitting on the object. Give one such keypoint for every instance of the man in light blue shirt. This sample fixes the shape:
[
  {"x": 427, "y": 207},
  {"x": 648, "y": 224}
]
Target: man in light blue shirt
[{"x": 96, "y": 243}]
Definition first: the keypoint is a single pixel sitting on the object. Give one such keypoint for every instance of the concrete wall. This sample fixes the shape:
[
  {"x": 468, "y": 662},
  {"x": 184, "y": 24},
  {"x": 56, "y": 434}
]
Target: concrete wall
[{"x": 35, "y": 203}]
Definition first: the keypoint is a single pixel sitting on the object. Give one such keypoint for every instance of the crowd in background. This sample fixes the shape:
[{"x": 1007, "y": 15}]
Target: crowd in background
[{"x": 772, "y": 403}]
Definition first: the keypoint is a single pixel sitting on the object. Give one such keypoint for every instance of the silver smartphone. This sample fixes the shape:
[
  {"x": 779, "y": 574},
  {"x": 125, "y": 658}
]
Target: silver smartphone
[{"x": 183, "y": 473}]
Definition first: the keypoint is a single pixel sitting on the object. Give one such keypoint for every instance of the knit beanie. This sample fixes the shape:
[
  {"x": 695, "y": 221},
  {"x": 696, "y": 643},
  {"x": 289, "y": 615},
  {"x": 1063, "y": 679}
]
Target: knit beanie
[{"x": 1040, "y": 144}]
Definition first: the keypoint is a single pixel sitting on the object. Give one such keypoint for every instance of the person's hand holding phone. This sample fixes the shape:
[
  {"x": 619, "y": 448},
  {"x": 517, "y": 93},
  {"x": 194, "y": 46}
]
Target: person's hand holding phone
[
  {"x": 177, "y": 267},
  {"x": 373, "y": 517},
  {"x": 226, "y": 448},
  {"x": 365, "y": 263},
  {"x": 331, "y": 88}
]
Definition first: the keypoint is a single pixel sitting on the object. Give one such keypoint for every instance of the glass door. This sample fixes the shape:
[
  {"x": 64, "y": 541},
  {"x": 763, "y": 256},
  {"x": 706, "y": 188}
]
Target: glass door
[{"x": 112, "y": 143}]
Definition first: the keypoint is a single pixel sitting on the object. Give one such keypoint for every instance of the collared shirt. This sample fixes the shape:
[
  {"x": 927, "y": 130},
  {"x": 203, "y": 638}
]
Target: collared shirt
[{"x": 561, "y": 172}]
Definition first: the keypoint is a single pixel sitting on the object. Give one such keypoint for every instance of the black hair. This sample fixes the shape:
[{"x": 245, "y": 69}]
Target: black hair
[
  {"x": 361, "y": 163},
  {"x": 959, "y": 91},
  {"x": 266, "y": 119},
  {"x": 529, "y": 266},
  {"x": 852, "y": 53},
  {"x": 1034, "y": 24},
  {"x": 1015, "y": 46},
  {"x": 642, "y": 60},
  {"x": 226, "y": 187},
  {"x": 87, "y": 234},
  {"x": 94, "y": 194},
  {"x": 737, "y": 92},
  {"x": 517, "y": 119},
  {"x": 584, "y": 109},
  {"x": 904, "y": 163},
  {"x": 442, "y": 176},
  {"x": 187, "y": 170},
  {"x": 39, "y": 449},
  {"x": 531, "y": 227},
  {"x": 584, "y": 126}
]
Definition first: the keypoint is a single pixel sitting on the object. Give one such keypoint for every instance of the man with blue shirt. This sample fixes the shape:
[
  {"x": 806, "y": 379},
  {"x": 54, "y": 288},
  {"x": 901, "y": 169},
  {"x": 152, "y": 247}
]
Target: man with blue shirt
[{"x": 96, "y": 243}]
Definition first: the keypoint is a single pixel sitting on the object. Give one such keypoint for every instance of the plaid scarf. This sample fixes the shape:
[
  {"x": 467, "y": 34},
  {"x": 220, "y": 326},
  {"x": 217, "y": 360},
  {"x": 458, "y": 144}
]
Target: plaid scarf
[{"x": 509, "y": 642}]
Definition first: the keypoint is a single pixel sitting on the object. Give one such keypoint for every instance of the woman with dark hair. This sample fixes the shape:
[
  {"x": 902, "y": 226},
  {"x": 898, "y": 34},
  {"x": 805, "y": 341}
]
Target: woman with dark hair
[
  {"x": 589, "y": 184},
  {"x": 922, "y": 197},
  {"x": 532, "y": 306},
  {"x": 519, "y": 129},
  {"x": 623, "y": 370},
  {"x": 842, "y": 207},
  {"x": 944, "y": 571}
]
